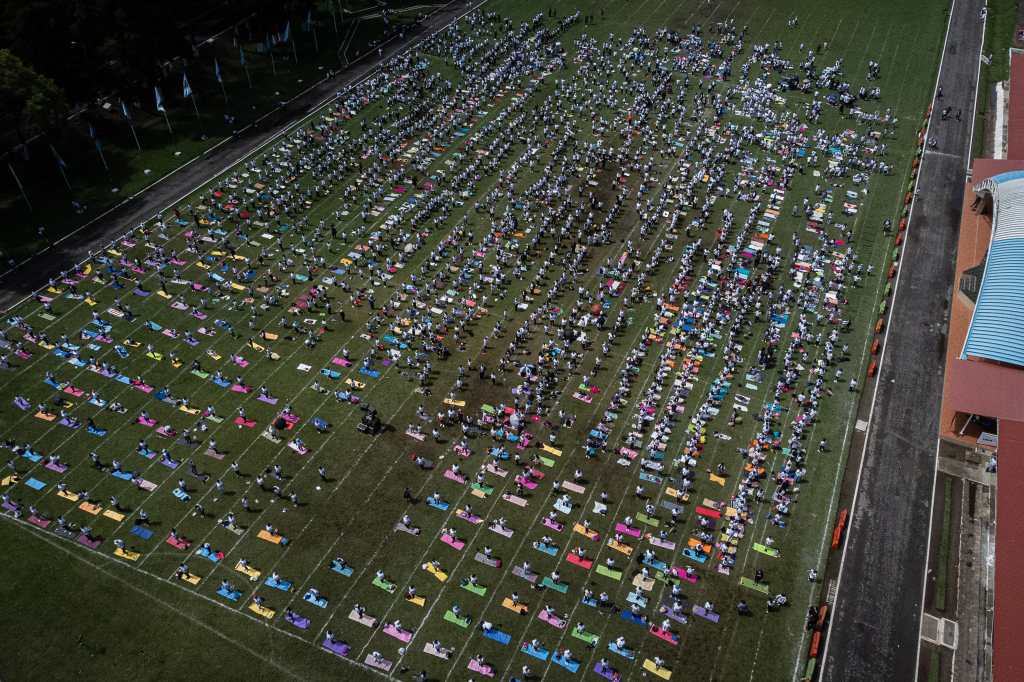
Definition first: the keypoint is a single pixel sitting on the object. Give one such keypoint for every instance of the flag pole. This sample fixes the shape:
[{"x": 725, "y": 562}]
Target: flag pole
[
  {"x": 162, "y": 109},
  {"x": 220, "y": 81},
  {"x": 128, "y": 119},
  {"x": 136, "y": 137},
  {"x": 21, "y": 188},
  {"x": 60, "y": 167},
  {"x": 99, "y": 148},
  {"x": 202, "y": 129},
  {"x": 245, "y": 67}
]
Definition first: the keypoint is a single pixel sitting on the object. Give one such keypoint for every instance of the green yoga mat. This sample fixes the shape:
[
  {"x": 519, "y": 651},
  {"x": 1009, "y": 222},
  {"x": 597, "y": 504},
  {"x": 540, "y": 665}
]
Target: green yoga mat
[
  {"x": 452, "y": 618},
  {"x": 475, "y": 589},
  {"x": 649, "y": 520},
  {"x": 384, "y": 585},
  {"x": 551, "y": 584},
  {"x": 588, "y": 637},
  {"x": 750, "y": 584}
]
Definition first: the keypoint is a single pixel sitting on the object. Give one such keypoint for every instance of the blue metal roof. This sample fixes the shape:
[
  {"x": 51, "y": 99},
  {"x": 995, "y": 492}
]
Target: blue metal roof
[
  {"x": 1007, "y": 176},
  {"x": 997, "y": 325}
]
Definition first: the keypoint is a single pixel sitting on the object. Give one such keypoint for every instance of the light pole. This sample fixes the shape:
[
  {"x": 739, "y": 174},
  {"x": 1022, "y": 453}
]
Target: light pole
[{"x": 85, "y": 55}]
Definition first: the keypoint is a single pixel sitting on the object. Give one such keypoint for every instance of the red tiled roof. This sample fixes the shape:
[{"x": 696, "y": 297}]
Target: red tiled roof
[
  {"x": 1008, "y": 654},
  {"x": 983, "y": 169},
  {"x": 986, "y": 389}
]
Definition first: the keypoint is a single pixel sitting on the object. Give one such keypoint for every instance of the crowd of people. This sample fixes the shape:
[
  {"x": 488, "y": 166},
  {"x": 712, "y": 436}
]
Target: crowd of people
[{"x": 583, "y": 224}]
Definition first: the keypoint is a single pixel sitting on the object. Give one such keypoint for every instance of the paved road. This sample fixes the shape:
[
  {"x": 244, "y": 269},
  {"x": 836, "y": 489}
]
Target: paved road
[
  {"x": 31, "y": 275},
  {"x": 875, "y": 627}
]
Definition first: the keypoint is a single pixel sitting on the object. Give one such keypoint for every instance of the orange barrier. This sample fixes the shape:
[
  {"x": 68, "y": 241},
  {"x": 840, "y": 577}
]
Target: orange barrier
[
  {"x": 899, "y": 239},
  {"x": 872, "y": 368},
  {"x": 875, "y": 347},
  {"x": 892, "y": 271},
  {"x": 880, "y": 325},
  {"x": 837, "y": 534},
  {"x": 906, "y": 198},
  {"x": 903, "y": 224},
  {"x": 815, "y": 644}
]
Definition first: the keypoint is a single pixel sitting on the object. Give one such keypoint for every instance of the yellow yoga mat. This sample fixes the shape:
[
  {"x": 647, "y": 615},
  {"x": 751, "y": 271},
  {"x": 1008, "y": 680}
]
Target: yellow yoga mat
[
  {"x": 127, "y": 554},
  {"x": 663, "y": 673}
]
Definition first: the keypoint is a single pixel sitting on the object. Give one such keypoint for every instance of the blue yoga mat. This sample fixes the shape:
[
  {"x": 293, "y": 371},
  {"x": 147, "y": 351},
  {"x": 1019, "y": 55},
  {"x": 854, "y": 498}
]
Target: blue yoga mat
[
  {"x": 35, "y": 484},
  {"x": 628, "y": 615},
  {"x": 142, "y": 532},
  {"x": 233, "y": 596},
  {"x": 541, "y": 654},
  {"x": 567, "y": 663},
  {"x": 498, "y": 636}
]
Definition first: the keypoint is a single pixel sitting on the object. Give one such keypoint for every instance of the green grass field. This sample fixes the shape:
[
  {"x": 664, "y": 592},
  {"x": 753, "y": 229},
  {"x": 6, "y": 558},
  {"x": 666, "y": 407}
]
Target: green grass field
[{"x": 77, "y": 612}]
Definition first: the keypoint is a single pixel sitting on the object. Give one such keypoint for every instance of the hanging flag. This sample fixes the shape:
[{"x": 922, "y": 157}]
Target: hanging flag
[
  {"x": 92, "y": 132},
  {"x": 186, "y": 89},
  {"x": 216, "y": 71},
  {"x": 309, "y": 20},
  {"x": 241, "y": 56},
  {"x": 159, "y": 100},
  {"x": 287, "y": 32},
  {"x": 99, "y": 148},
  {"x": 124, "y": 111}
]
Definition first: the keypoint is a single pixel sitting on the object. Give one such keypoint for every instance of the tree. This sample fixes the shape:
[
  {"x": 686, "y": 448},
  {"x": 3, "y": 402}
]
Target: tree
[
  {"x": 46, "y": 107},
  {"x": 30, "y": 101}
]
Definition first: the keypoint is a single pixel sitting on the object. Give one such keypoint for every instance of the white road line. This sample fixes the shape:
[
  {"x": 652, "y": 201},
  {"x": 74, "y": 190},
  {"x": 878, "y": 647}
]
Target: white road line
[{"x": 977, "y": 82}]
